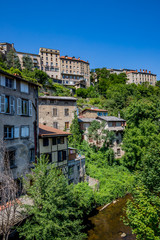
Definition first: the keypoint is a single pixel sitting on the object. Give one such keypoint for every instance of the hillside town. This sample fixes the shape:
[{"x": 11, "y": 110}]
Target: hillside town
[{"x": 93, "y": 127}]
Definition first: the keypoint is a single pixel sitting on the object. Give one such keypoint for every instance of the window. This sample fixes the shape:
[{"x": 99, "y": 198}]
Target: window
[
  {"x": 16, "y": 132},
  {"x": 60, "y": 140},
  {"x": 55, "y": 125},
  {"x": 24, "y": 87},
  {"x": 62, "y": 156},
  {"x": 54, "y": 141},
  {"x": 24, "y": 107},
  {"x": 113, "y": 124},
  {"x": 8, "y": 132},
  {"x": 24, "y": 131},
  {"x": 47, "y": 58},
  {"x": 45, "y": 142},
  {"x": 66, "y": 125},
  {"x": 7, "y": 104},
  {"x": 32, "y": 155},
  {"x": 9, "y": 83},
  {"x": 66, "y": 112},
  {"x": 54, "y": 112},
  {"x": 118, "y": 151}
]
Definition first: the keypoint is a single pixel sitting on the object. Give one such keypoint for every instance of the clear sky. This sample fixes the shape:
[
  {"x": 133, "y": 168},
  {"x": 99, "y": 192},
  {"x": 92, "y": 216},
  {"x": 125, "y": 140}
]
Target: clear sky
[{"x": 111, "y": 33}]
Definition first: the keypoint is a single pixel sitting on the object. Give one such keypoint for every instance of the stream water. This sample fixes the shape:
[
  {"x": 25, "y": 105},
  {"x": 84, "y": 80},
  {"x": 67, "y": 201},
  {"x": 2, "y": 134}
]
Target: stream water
[{"x": 107, "y": 224}]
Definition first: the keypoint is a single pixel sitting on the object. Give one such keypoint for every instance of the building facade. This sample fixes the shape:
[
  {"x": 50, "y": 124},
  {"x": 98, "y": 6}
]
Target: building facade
[
  {"x": 74, "y": 70},
  {"x": 53, "y": 143},
  {"x": 76, "y": 166},
  {"x": 63, "y": 70},
  {"x": 18, "y": 118},
  {"x": 137, "y": 77},
  {"x": 57, "y": 112},
  {"x": 115, "y": 124}
]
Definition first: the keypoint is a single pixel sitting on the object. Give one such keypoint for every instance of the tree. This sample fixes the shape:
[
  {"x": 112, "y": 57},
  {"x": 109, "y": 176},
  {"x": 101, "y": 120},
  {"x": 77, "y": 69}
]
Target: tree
[
  {"x": 76, "y": 138},
  {"x": 27, "y": 62},
  {"x": 136, "y": 141},
  {"x": 142, "y": 215},
  {"x": 150, "y": 174},
  {"x": 52, "y": 213},
  {"x": 99, "y": 136},
  {"x": 12, "y": 60}
]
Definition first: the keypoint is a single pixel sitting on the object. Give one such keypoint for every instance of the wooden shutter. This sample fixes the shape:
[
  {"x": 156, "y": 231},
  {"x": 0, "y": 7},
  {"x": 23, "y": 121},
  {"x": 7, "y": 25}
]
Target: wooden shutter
[
  {"x": 19, "y": 106},
  {"x": 12, "y": 105},
  {"x": 14, "y": 84},
  {"x": 2, "y": 80},
  {"x": 2, "y": 103},
  {"x": 24, "y": 87},
  {"x": 30, "y": 108},
  {"x": 16, "y": 132}
]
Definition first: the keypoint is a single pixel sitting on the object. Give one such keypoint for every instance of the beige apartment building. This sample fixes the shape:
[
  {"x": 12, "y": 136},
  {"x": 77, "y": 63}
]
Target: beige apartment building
[
  {"x": 137, "y": 77},
  {"x": 35, "y": 59},
  {"x": 50, "y": 62},
  {"x": 57, "y": 112},
  {"x": 74, "y": 70},
  {"x": 63, "y": 70}
]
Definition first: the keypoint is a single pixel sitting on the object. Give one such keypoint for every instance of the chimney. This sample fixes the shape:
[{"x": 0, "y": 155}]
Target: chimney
[
  {"x": 140, "y": 70},
  {"x": 136, "y": 71},
  {"x": 149, "y": 71},
  {"x": 146, "y": 70},
  {"x": 143, "y": 70},
  {"x": 79, "y": 58}
]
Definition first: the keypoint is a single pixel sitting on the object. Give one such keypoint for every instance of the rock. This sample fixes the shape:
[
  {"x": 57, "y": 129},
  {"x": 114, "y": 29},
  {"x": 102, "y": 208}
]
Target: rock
[{"x": 123, "y": 235}]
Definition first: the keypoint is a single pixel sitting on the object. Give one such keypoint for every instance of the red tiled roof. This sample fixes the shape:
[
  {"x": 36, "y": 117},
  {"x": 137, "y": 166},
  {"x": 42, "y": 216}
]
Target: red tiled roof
[
  {"x": 50, "y": 131},
  {"x": 95, "y": 110},
  {"x": 71, "y": 58}
]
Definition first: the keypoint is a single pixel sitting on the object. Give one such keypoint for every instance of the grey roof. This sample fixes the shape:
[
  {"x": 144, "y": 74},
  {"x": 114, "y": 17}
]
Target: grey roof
[
  {"x": 58, "y": 98},
  {"x": 111, "y": 118},
  {"x": 86, "y": 119}
]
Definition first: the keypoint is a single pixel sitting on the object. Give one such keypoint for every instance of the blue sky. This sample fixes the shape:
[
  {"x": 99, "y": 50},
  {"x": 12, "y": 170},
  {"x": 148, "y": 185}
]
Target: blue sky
[{"x": 115, "y": 33}]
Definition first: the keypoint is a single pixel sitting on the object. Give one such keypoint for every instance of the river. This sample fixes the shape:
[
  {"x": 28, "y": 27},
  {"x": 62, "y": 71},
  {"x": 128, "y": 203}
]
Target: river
[{"x": 107, "y": 224}]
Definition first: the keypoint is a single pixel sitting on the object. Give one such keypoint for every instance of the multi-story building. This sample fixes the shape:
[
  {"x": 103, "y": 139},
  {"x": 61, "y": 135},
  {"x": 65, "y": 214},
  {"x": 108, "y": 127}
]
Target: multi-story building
[
  {"x": 112, "y": 123},
  {"x": 73, "y": 70},
  {"x": 64, "y": 70},
  {"x": 136, "y": 77},
  {"x": 53, "y": 144},
  {"x": 76, "y": 166},
  {"x": 35, "y": 59},
  {"x": 57, "y": 112},
  {"x": 50, "y": 62},
  {"x": 18, "y": 121}
]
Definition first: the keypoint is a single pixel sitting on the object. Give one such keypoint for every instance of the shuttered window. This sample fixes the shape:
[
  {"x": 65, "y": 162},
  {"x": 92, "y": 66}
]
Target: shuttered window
[
  {"x": 19, "y": 106},
  {"x": 24, "y": 87},
  {"x": 16, "y": 132},
  {"x": 30, "y": 108},
  {"x": 2, "y": 80},
  {"x": 7, "y": 104}
]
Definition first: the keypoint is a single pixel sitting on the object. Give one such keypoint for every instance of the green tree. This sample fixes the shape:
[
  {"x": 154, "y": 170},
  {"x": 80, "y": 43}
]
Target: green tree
[
  {"x": 27, "y": 62},
  {"x": 143, "y": 215},
  {"x": 12, "y": 60},
  {"x": 52, "y": 215},
  {"x": 76, "y": 138}
]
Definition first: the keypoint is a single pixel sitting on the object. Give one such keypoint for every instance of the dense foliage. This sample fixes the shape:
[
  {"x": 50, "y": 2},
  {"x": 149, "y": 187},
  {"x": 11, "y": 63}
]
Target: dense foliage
[{"x": 58, "y": 209}]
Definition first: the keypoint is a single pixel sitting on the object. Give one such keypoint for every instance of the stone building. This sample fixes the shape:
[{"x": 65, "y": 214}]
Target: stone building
[
  {"x": 93, "y": 113},
  {"x": 111, "y": 124},
  {"x": 136, "y": 77},
  {"x": 18, "y": 121},
  {"x": 76, "y": 166},
  {"x": 74, "y": 70},
  {"x": 53, "y": 144},
  {"x": 57, "y": 112}
]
